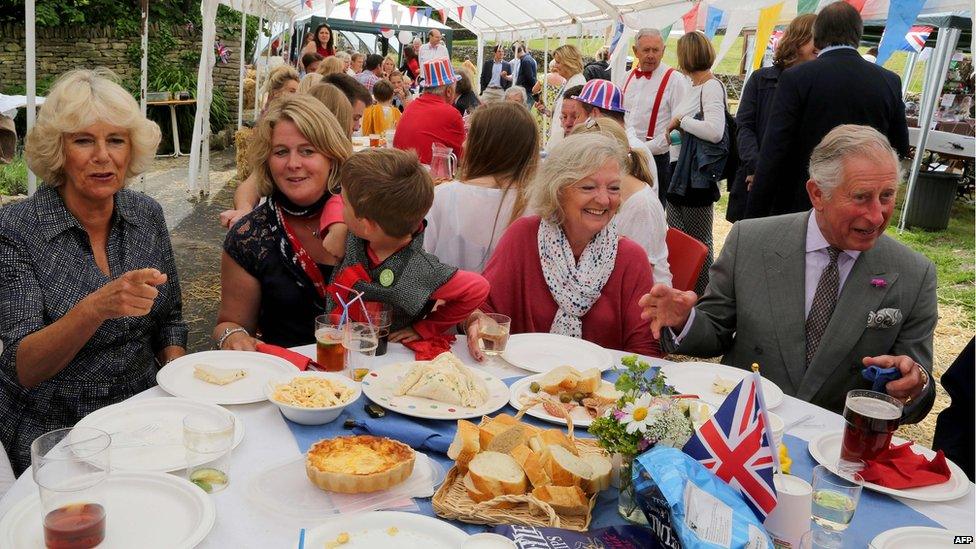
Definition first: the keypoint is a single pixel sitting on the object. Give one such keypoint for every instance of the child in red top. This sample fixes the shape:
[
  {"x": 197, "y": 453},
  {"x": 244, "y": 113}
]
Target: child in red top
[{"x": 385, "y": 196}]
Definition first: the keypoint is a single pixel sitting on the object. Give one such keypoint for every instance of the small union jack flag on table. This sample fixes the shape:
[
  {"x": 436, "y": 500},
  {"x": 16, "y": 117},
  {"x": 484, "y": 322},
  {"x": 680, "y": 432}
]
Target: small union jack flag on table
[{"x": 735, "y": 445}]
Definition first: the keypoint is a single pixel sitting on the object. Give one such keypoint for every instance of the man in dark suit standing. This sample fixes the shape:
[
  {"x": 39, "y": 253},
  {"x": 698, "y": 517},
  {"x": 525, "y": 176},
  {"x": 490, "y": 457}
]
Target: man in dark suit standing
[
  {"x": 528, "y": 73},
  {"x": 839, "y": 87},
  {"x": 496, "y": 76}
]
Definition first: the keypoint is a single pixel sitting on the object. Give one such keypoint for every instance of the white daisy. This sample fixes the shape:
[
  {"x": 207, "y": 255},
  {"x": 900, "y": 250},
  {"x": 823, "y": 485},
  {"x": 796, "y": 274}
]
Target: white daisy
[{"x": 638, "y": 414}]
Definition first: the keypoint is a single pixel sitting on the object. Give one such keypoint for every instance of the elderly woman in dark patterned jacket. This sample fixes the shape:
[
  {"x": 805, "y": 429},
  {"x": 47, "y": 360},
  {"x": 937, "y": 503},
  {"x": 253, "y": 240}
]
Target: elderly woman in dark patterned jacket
[{"x": 90, "y": 302}]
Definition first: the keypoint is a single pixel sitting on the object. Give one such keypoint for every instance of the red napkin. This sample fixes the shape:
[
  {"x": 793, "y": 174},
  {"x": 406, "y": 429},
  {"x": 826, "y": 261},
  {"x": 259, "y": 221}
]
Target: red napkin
[
  {"x": 427, "y": 349},
  {"x": 299, "y": 360},
  {"x": 899, "y": 467}
]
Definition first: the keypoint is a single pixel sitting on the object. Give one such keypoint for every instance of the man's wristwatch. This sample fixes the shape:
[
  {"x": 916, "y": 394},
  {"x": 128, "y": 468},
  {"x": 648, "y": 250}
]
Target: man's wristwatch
[{"x": 227, "y": 333}]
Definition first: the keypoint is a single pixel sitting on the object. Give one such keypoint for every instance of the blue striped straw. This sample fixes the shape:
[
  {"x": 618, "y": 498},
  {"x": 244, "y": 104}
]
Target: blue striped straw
[{"x": 301, "y": 539}]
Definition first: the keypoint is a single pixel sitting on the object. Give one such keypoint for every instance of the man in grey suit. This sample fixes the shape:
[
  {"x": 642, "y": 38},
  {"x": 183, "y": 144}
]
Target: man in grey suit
[{"x": 815, "y": 297}]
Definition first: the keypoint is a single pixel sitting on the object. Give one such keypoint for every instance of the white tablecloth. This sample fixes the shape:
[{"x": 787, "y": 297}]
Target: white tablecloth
[{"x": 269, "y": 442}]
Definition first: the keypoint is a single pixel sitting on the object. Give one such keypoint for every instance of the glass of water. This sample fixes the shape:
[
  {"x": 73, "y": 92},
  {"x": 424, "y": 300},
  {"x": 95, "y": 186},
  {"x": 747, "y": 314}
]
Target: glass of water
[
  {"x": 834, "y": 501},
  {"x": 208, "y": 438},
  {"x": 360, "y": 340}
]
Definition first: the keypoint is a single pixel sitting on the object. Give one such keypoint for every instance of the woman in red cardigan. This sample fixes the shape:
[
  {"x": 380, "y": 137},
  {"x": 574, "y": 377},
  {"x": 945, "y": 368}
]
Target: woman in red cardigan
[{"x": 567, "y": 270}]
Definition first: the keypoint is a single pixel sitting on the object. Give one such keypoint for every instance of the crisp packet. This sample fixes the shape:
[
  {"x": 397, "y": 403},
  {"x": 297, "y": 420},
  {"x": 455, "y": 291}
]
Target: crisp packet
[
  {"x": 613, "y": 537},
  {"x": 689, "y": 507}
]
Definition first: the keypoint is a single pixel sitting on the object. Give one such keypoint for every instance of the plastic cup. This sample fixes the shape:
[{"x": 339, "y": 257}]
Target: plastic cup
[{"x": 208, "y": 438}]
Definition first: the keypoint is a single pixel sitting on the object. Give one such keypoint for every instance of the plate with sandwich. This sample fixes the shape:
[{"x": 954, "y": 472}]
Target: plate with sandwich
[
  {"x": 223, "y": 377},
  {"x": 542, "y": 352},
  {"x": 442, "y": 388},
  {"x": 564, "y": 391}
]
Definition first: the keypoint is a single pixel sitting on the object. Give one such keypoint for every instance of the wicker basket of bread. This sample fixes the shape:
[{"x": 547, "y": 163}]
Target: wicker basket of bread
[{"x": 509, "y": 472}]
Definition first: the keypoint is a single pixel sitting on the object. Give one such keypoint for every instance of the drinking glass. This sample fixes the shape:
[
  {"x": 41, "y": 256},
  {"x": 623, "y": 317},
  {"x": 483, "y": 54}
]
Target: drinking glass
[
  {"x": 493, "y": 333},
  {"x": 378, "y": 314},
  {"x": 834, "y": 501},
  {"x": 70, "y": 467},
  {"x": 208, "y": 438},
  {"x": 360, "y": 340},
  {"x": 870, "y": 418},
  {"x": 328, "y": 343}
]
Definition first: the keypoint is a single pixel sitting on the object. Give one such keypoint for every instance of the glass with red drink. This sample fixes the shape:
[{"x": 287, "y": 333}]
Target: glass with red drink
[
  {"x": 329, "y": 352},
  {"x": 870, "y": 418},
  {"x": 70, "y": 466}
]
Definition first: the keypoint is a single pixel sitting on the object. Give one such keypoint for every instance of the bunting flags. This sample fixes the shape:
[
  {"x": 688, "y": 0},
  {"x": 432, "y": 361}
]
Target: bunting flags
[
  {"x": 413, "y": 12},
  {"x": 308, "y": 4},
  {"x": 352, "y": 9},
  {"x": 806, "y": 6},
  {"x": 395, "y": 12},
  {"x": 443, "y": 13},
  {"x": 472, "y": 9},
  {"x": 738, "y": 19},
  {"x": 690, "y": 19},
  {"x": 858, "y": 4},
  {"x": 666, "y": 32},
  {"x": 767, "y": 20},
  {"x": 916, "y": 37},
  {"x": 427, "y": 13},
  {"x": 901, "y": 15},
  {"x": 329, "y": 6},
  {"x": 712, "y": 20},
  {"x": 375, "y": 11},
  {"x": 460, "y": 12}
]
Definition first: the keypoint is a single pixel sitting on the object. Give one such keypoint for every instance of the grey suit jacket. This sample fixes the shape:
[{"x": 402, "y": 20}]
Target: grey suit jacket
[{"x": 753, "y": 311}]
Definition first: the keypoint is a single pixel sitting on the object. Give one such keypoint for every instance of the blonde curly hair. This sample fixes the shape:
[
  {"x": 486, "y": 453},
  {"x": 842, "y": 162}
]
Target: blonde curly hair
[{"x": 79, "y": 99}]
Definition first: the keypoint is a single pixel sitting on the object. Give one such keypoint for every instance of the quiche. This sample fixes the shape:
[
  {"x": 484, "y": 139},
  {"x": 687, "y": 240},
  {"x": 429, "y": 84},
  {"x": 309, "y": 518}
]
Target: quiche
[{"x": 357, "y": 464}]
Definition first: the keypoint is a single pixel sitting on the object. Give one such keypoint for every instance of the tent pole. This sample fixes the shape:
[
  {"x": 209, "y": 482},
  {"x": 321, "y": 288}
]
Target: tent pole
[
  {"x": 240, "y": 77},
  {"x": 208, "y": 12},
  {"x": 906, "y": 77},
  {"x": 257, "y": 69},
  {"x": 144, "y": 72},
  {"x": 30, "y": 45},
  {"x": 945, "y": 45},
  {"x": 481, "y": 52},
  {"x": 545, "y": 87}
]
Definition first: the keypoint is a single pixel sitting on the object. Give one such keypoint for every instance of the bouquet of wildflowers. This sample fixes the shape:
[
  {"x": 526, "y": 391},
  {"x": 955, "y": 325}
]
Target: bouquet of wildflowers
[{"x": 644, "y": 415}]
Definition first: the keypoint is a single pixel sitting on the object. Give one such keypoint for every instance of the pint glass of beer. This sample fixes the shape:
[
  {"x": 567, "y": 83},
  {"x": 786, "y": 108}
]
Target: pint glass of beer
[
  {"x": 871, "y": 418},
  {"x": 329, "y": 352}
]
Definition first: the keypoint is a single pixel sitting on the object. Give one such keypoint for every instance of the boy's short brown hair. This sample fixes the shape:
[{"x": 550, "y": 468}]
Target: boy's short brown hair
[
  {"x": 388, "y": 187},
  {"x": 383, "y": 90}
]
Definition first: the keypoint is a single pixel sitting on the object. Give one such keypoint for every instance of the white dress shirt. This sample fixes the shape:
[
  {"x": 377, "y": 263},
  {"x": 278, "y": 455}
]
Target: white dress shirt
[
  {"x": 641, "y": 219},
  {"x": 429, "y": 53},
  {"x": 639, "y": 96}
]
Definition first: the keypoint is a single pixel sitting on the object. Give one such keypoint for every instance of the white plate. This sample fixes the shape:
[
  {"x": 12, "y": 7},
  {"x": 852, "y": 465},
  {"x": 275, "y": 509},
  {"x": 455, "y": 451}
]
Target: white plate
[
  {"x": 380, "y": 387},
  {"x": 145, "y": 510},
  {"x": 913, "y": 537},
  {"x": 388, "y": 529},
  {"x": 696, "y": 378},
  {"x": 543, "y": 352},
  {"x": 521, "y": 387},
  {"x": 825, "y": 449},
  {"x": 163, "y": 451},
  {"x": 176, "y": 378}
]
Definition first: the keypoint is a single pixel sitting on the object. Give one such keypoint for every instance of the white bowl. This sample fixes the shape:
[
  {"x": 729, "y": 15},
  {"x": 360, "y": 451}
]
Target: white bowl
[{"x": 314, "y": 416}]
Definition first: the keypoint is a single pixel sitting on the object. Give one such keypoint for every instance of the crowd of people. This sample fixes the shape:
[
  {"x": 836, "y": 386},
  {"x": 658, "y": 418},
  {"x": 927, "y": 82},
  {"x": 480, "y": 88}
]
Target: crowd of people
[{"x": 564, "y": 232}]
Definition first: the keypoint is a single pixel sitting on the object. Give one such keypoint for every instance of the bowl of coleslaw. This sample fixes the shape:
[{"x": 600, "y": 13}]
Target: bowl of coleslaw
[{"x": 313, "y": 398}]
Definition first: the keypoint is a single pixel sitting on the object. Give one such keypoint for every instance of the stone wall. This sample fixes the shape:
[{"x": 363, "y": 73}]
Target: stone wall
[{"x": 62, "y": 48}]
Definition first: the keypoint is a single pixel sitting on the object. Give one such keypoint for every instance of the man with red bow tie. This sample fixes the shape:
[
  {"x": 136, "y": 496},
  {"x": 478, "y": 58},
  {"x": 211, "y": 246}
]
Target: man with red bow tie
[{"x": 651, "y": 93}]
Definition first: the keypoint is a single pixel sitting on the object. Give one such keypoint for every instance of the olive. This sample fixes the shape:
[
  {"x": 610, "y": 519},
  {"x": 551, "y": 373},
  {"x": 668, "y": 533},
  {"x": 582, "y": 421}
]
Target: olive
[
  {"x": 578, "y": 397},
  {"x": 535, "y": 387},
  {"x": 565, "y": 398}
]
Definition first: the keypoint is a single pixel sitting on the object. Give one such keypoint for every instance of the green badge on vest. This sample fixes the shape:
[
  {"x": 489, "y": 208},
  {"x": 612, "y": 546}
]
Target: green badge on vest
[{"x": 386, "y": 278}]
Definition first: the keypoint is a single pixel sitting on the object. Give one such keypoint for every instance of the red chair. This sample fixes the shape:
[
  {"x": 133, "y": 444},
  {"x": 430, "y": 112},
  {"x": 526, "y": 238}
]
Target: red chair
[{"x": 686, "y": 255}]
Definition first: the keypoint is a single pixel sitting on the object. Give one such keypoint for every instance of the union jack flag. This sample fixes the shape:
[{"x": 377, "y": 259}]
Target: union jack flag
[
  {"x": 734, "y": 445},
  {"x": 916, "y": 37}
]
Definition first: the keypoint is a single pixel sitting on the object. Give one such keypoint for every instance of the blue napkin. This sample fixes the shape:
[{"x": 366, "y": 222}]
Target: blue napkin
[{"x": 879, "y": 377}]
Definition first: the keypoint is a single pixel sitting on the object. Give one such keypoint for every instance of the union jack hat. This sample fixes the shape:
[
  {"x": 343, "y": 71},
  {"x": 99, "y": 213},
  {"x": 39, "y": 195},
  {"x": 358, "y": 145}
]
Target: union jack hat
[
  {"x": 439, "y": 72},
  {"x": 602, "y": 94}
]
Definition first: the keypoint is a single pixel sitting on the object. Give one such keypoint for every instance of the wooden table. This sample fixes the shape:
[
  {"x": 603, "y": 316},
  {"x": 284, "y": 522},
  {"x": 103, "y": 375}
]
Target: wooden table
[{"x": 172, "y": 104}]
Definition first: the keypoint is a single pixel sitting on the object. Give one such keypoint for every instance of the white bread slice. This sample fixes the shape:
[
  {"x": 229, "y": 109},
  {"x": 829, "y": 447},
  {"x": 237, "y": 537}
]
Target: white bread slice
[
  {"x": 504, "y": 419},
  {"x": 559, "y": 380},
  {"x": 476, "y": 495},
  {"x": 565, "y": 500},
  {"x": 564, "y": 468},
  {"x": 606, "y": 394},
  {"x": 504, "y": 441},
  {"x": 600, "y": 479},
  {"x": 465, "y": 444},
  {"x": 556, "y": 437},
  {"x": 520, "y": 453},
  {"x": 535, "y": 470},
  {"x": 490, "y": 430},
  {"x": 496, "y": 473},
  {"x": 589, "y": 381}
]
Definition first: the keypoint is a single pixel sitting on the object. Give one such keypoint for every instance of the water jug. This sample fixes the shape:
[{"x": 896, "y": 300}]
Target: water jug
[{"x": 442, "y": 162}]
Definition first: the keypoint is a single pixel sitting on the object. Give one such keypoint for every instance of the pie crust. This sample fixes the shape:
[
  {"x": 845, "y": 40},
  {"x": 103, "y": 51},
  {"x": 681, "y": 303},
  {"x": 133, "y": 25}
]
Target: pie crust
[{"x": 357, "y": 464}]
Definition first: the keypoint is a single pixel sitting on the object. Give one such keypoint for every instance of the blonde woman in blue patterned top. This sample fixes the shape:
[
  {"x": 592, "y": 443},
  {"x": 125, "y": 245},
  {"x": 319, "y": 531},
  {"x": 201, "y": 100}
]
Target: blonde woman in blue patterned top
[{"x": 89, "y": 299}]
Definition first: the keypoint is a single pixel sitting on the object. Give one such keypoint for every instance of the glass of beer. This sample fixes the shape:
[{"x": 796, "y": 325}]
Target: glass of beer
[
  {"x": 70, "y": 467},
  {"x": 834, "y": 501},
  {"x": 493, "y": 333},
  {"x": 329, "y": 352},
  {"x": 870, "y": 418}
]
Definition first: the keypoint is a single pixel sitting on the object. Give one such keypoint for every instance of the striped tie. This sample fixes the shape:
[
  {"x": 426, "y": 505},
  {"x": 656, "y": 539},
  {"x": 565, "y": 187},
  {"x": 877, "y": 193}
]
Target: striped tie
[{"x": 824, "y": 301}]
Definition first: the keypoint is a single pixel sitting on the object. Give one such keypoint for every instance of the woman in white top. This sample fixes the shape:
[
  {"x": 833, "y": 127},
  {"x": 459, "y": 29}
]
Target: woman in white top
[
  {"x": 469, "y": 215},
  {"x": 690, "y": 210},
  {"x": 641, "y": 215},
  {"x": 569, "y": 65}
]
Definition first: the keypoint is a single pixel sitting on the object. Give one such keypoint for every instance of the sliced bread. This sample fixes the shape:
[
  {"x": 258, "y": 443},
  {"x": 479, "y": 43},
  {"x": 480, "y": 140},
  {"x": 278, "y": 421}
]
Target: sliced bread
[
  {"x": 589, "y": 381},
  {"x": 564, "y": 468},
  {"x": 496, "y": 473},
  {"x": 507, "y": 439},
  {"x": 466, "y": 444},
  {"x": 565, "y": 500},
  {"x": 559, "y": 380},
  {"x": 606, "y": 394},
  {"x": 600, "y": 479}
]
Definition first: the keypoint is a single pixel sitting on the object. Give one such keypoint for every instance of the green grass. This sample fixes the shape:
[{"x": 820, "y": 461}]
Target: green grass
[
  {"x": 13, "y": 177},
  {"x": 952, "y": 252},
  {"x": 728, "y": 65}
]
